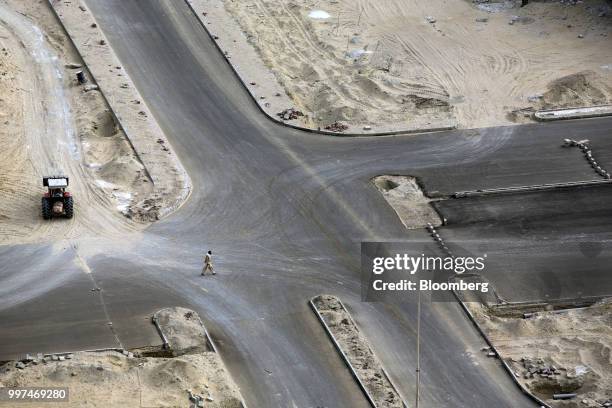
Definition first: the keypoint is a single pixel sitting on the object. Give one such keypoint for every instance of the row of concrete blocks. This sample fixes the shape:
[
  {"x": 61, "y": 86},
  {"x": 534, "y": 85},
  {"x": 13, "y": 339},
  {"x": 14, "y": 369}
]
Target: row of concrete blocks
[
  {"x": 588, "y": 154},
  {"x": 436, "y": 237},
  {"x": 598, "y": 169}
]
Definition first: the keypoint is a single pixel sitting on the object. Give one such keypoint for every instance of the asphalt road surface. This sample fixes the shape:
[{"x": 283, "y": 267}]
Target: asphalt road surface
[{"x": 284, "y": 213}]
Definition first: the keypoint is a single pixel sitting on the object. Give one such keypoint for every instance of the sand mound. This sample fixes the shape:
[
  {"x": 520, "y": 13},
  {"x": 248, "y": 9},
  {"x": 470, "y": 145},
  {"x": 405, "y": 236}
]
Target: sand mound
[{"x": 581, "y": 89}]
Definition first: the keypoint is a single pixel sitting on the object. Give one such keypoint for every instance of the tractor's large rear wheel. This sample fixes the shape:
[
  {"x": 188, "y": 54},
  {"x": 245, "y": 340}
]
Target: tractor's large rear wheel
[
  {"x": 46, "y": 208},
  {"x": 68, "y": 207}
]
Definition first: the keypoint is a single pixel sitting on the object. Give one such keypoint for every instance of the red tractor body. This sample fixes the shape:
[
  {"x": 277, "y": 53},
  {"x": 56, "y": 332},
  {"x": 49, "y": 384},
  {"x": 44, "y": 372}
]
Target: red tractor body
[{"x": 57, "y": 202}]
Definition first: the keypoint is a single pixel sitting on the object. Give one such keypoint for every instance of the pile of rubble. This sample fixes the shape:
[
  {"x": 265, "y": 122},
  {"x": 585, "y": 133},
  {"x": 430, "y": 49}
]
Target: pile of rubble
[
  {"x": 290, "y": 114},
  {"x": 539, "y": 368},
  {"x": 41, "y": 359},
  {"x": 197, "y": 400},
  {"x": 48, "y": 358},
  {"x": 336, "y": 127},
  {"x": 147, "y": 210}
]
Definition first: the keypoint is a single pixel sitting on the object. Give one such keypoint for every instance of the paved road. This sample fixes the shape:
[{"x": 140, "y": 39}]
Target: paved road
[
  {"x": 540, "y": 245},
  {"x": 285, "y": 213}
]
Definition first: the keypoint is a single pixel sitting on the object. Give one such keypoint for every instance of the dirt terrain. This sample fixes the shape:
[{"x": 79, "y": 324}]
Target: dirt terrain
[
  {"x": 392, "y": 63},
  {"x": 50, "y": 126},
  {"x": 113, "y": 379},
  {"x": 557, "y": 352}
]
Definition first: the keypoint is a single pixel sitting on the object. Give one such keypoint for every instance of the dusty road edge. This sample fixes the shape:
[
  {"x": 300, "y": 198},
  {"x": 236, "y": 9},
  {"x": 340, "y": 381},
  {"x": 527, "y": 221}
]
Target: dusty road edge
[
  {"x": 486, "y": 338},
  {"x": 345, "y": 358},
  {"x": 170, "y": 180},
  {"x": 302, "y": 128}
]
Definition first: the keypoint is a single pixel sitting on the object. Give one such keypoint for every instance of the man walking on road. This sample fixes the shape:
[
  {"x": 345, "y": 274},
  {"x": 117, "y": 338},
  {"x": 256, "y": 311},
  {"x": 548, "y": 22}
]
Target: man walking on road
[{"x": 208, "y": 266}]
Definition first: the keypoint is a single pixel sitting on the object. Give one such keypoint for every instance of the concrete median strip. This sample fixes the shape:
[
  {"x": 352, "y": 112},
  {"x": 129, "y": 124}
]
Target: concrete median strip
[
  {"x": 528, "y": 189},
  {"x": 495, "y": 352},
  {"x": 356, "y": 352},
  {"x": 170, "y": 180}
]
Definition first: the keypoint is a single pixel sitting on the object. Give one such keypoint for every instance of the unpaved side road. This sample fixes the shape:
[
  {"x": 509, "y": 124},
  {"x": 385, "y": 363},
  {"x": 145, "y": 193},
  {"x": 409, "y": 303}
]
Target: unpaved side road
[{"x": 50, "y": 126}]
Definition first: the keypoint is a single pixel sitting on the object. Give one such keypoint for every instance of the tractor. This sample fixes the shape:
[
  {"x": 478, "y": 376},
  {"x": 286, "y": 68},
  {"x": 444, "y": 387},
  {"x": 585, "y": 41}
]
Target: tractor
[{"x": 57, "y": 202}]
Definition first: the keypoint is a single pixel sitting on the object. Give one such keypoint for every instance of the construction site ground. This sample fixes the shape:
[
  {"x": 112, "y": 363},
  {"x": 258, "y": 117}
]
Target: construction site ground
[
  {"x": 554, "y": 352},
  {"x": 52, "y": 125},
  {"x": 389, "y": 65},
  {"x": 151, "y": 378}
]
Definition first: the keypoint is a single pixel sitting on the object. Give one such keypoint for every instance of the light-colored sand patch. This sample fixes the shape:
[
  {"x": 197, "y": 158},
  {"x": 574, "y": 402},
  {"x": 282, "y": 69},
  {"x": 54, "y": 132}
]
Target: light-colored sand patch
[{"x": 404, "y": 194}]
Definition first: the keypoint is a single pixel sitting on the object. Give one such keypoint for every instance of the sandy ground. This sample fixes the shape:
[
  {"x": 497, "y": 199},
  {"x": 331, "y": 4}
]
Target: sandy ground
[
  {"x": 553, "y": 353},
  {"x": 116, "y": 380},
  {"x": 50, "y": 125},
  {"x": 403, "y": 64},
  {"x": 358, "y": 351},
  {"x": 171, "y": 184},
  {"x": 404, "y": 194}
]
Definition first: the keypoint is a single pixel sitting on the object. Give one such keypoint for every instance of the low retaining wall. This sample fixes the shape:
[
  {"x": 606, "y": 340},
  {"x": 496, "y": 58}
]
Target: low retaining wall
[{"x": 573, "y": 113}]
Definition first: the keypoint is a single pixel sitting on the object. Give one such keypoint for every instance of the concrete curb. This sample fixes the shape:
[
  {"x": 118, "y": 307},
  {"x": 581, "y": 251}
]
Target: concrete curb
[
  {"x": 547, "y": 115},
  {"x": 587, "y": 300},
  {"x": 305, "y": 129},
  {"x": 185, "y": 189},
  {"x": 165, "y": 344},
  {"x": 345, "y": 357},
  {"x": 486, "y": 337},
  {"x": 480, "y": 330},
  {"x": 527, "y": 189}
]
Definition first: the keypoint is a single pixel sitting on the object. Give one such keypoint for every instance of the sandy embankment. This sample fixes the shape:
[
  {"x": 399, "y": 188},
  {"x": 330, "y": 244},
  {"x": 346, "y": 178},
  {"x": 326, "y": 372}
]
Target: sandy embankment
[
  {"x": 118, "y": 380},
  {"x": 555, "y": 353},
  {"x": 392, "y": 64}
]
